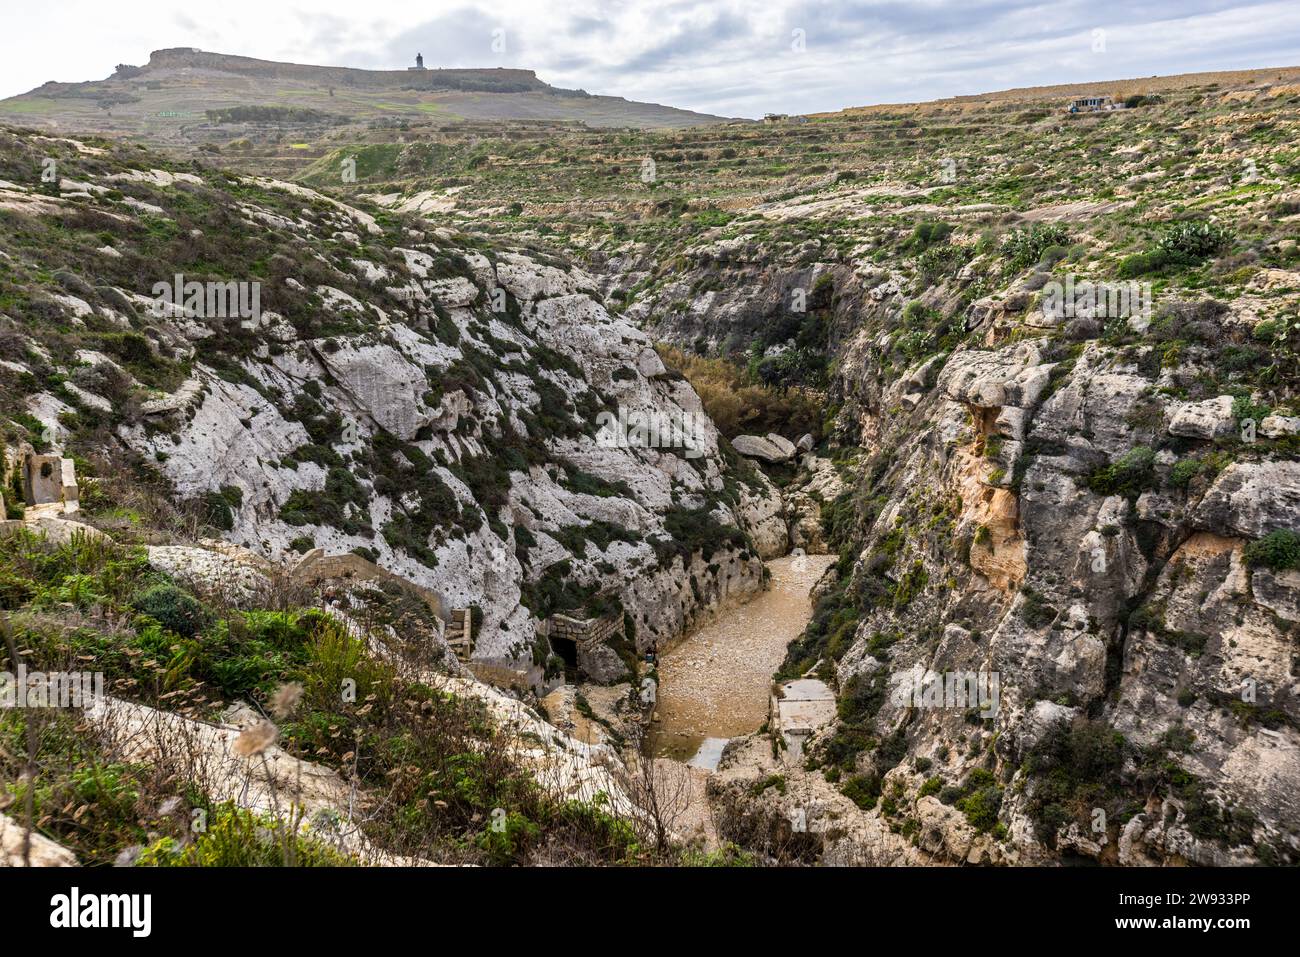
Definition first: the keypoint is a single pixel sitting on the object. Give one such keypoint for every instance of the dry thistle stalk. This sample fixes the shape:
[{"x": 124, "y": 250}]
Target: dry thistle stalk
[
  {"x": 256, "y": 739},
  {"x": 285, "y": 700}
]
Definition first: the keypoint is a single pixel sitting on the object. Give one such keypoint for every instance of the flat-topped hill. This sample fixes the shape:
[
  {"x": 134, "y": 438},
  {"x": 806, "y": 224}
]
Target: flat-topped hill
[
  {"x": 190, "y": 99},
  {"x": 494, "y": 80}
]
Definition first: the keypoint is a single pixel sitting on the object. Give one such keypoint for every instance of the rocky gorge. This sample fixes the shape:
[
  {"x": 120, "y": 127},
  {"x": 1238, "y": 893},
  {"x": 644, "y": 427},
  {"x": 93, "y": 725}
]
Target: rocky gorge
[{"x": 1090, "y": 518}]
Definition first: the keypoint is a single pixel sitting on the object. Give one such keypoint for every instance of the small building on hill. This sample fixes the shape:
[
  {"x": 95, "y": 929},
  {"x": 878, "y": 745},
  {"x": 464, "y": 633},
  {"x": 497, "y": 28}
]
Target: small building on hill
[{"x": 1091, "y": 104}]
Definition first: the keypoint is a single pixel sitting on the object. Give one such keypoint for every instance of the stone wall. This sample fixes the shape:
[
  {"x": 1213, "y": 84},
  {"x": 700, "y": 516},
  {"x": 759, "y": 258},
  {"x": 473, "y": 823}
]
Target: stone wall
[
  {"x": 506, "y": 673},
  {"x": 581, "y": 630},
  {"x": 591, "y": 636},
  {"x": 316, "y": 566}
]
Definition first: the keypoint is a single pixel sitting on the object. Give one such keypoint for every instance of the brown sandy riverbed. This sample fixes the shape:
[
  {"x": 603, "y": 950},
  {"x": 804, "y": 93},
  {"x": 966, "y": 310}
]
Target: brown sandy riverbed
[{"x": 715, "y": 683}]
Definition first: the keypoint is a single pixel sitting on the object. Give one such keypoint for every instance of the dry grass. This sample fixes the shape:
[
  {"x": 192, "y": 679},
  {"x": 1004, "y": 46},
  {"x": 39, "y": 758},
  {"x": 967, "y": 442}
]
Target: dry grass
[{"x": 738, "y": 406}]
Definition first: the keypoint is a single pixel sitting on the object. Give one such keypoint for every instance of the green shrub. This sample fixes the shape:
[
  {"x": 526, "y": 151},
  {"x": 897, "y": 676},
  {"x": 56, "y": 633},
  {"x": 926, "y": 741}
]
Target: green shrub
[
  {"x": 1075, "y": 767},
  {"x": 771, "y": 781},
  {"x": 216, "y": 511},
  {"x": 1181, "y": 475},
  {"x": 926, "y": 234},
  {"x": 1181, "y": 245},
  {"x": 1036, "y": 611},
  {"x": 1278, "y": 550},
  {"x": 910, "y": 584},
  {"x": 737, "y": 400},
  {"x": 15, "y": 590},
  {"x": 330, "y": 507},
  {"x": 238, "y": 838},
  {"x": 1146, "y": 264},
  {"x": 1195, "y": 240},
  {"x": 1025, "y": 246},
  {"x": 981, "y": 801},
  {"x": 15, "y": 508},
  {"x": 862, "y": 789},
  {"x": 1129, "y": 475},
  {"x": 173, "y": 608}
]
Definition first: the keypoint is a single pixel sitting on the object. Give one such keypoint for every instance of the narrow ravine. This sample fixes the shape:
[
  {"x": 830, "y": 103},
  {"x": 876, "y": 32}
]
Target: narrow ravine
[{"x": 715, "y": 684}]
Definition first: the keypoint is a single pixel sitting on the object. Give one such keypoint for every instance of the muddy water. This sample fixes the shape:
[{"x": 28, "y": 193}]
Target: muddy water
[{"x": 715, "y": 684}]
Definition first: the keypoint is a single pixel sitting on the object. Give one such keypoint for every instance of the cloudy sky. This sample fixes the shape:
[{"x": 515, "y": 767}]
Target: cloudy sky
[{"x": 733, "y": 57}]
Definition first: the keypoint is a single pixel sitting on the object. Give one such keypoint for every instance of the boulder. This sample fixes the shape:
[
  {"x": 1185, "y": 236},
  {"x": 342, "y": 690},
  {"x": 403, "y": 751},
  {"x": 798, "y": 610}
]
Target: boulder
[
  {"x": 42, "y": 853},
  {"x": 944, "y": 829},
  {"x": 233, "y": 573},
  {"x": 649, "y": 364},
  {"x": 601, "y": 663},
  {"x": 756, "y": 447},
  {"x": 1278, "y": 426},
  {"x": 785, "y": 445},
  {"x": 1251, "y": 499},
  {"x": 1202, "y": 420},
  {"x": 453, "y": 293},
  {"x": 57, "y": 531}
]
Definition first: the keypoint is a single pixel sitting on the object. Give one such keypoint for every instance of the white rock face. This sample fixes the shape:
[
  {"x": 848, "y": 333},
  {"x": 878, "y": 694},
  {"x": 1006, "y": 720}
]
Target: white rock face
[
  {"x": 764, "y": 514},
  {"x": 383, "y": 383},
  {"x": 239, "y": 577},
  {"x": 138, "y": 732},
  {"x": 579, "y": 771},
  {"x": 455, "y": 292},
  {"x": 156, "y": 177},
  {"x": 457, "y": 400},
  {"x": 363, "y": 219},
  {"x": 268, "y": 784},
  {"x": 820, "y": 484},
  {"x": 236, "y": 438}
]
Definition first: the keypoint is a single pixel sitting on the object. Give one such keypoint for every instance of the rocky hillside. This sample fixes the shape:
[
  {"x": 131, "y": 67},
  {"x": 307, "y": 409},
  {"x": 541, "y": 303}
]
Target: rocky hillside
[
  {"x": 1099, "y": 507},
  {"x": 1059, "y": 359},
  {"x": 437, "y": 415},
  {"x": 378, "y": 405}
]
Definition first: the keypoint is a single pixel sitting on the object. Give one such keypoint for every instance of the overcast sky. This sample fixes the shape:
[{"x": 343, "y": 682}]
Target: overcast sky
[{"x": 732, "y": 57}]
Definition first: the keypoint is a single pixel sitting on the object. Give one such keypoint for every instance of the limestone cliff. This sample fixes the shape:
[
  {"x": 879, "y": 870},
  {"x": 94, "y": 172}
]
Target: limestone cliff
[
  {"x": 426, "y": 400},
  {"x": 1098, "y": 513}
]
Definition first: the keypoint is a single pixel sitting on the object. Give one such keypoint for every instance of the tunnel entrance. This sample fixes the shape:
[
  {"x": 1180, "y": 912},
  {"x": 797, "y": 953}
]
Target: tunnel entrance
[{"x": 567, "y": 649}]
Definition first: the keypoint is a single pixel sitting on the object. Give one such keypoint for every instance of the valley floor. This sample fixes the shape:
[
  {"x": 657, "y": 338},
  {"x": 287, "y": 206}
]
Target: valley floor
[{"x": 715, "y": 684}]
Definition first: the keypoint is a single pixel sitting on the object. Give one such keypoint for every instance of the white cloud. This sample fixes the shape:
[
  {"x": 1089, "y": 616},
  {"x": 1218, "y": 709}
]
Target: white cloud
[{"x": 733, "y": 57}]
